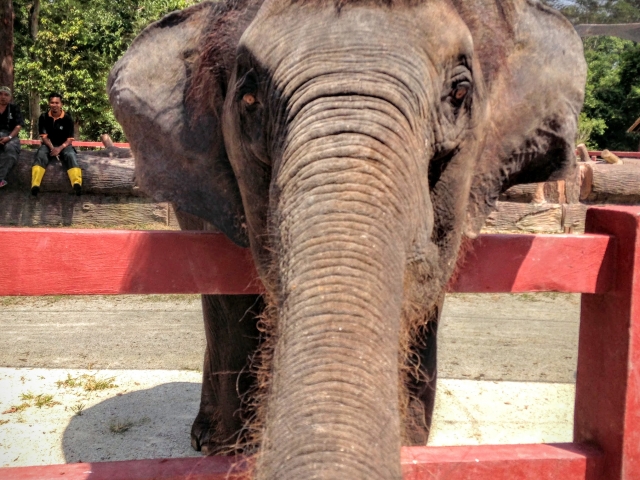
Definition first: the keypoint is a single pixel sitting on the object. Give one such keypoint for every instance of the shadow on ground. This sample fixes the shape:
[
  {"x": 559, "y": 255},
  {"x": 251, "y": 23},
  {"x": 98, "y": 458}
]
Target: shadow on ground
[{"x": 152, "y": 423}]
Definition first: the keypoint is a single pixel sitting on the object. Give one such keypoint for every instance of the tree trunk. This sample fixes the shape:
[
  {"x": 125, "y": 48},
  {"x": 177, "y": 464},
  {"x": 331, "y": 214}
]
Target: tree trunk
[
  {"x": 34, "y": 113},
  {"x": 6, "y": 43},
  {"x": 107, "y": 172},
  {"x": 604, "y": 183},
  {"x": 34, "y": 95},
  {"x": 34, "y": 15}
]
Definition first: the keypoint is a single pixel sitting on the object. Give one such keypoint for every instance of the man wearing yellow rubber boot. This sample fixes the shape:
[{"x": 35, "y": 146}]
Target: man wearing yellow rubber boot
[{"x": 56, "y": 131}]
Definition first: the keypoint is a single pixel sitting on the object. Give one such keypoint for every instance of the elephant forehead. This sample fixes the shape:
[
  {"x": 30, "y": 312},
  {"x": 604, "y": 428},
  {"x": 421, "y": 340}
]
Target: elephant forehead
[{"x": 359, "y": 36}]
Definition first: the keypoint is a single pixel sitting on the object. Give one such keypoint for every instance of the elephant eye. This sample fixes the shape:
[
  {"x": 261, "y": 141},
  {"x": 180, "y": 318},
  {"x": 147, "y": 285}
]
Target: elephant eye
[
  {"x": 459, "y": 93},
  {"x": 249, "y": 99}
]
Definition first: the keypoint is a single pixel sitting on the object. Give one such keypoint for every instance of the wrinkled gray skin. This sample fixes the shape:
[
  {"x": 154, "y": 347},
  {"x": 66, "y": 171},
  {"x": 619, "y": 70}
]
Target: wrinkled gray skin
[{"x": 351, "y": 145}]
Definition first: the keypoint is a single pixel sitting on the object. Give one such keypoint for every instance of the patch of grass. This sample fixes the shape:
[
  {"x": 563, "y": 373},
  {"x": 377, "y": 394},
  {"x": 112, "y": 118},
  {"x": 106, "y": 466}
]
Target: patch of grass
[
  {"x": 45, "y": 400},
  {"x": 9, "y": 301},
  {"x": 27, "y": 396},
  {"x": 4, "y": 422},
  {"x": 542, "y": 296},
  {"x": 527, "y": 297},
  {"x": 192, "y": 369},
  {"x": 92, "y": 384},
  {"x": 40, "y": 400},
  {"x": 125, "y": 226},
  {"x": 69, "y": 382},
  {"x": 120, "y": 426},
  {"x": 55, "y": 298},
  {"x": 168, "y": 297},
  {"x": 17, "y": 408},
  {"x": 13, "y": 301},
  {"x": 78, "y": 409},
  {"x": 554, "y": 295}
]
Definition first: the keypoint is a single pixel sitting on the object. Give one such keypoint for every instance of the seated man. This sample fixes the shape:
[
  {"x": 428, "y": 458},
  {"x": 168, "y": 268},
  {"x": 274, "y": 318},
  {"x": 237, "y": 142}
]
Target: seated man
[
  {"x": 56, "y": 130},
  {"x": 10, "y": 124}
]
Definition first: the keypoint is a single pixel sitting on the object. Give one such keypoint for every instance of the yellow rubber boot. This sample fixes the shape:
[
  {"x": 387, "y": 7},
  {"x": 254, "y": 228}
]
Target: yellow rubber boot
[
  {"x": 75, "y": 175},
  {"x": 37, "y": 172}
]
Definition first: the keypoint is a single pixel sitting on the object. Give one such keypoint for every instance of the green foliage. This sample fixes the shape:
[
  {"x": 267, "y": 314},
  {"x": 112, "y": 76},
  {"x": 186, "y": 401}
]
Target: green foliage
[
  {"x": 599, "y": 11},
  {"x": 589, "y": 128},
  {"x": 612, "y": 100},
  {"x": 77, "y": 44},
  {"x": 80, "y": 40}
]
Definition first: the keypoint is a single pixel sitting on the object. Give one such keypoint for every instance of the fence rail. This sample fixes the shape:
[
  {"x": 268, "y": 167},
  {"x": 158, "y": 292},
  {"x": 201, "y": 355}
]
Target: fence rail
[
  {"x": 78, "y": 144},
  {"x": 604, "y": 265},
  {"x": 592, "y": 153}
]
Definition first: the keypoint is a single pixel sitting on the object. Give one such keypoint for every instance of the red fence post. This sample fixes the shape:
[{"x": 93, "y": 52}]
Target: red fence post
[{"x": 607, "y": 408}]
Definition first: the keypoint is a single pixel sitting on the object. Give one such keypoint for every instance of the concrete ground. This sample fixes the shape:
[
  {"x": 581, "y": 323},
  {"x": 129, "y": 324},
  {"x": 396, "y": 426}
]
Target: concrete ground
[{"x": 114, "y": 378}]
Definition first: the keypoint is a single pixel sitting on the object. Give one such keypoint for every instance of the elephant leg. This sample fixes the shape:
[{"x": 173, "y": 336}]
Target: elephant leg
[
  {"x": 230, "y": 323},
  {"x": 422, "y": 384}
]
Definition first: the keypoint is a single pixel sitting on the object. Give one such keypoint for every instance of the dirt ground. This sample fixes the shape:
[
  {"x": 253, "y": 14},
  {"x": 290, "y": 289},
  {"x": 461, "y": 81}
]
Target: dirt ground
[
  {"x": 525, "y": 337},
  {"x": 114, "y": 378}
]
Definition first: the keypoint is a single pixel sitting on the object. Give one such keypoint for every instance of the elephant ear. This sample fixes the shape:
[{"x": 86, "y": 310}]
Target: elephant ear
[
  {"x": 535, "y": 73},
  {"x": 157, "y": 90}
]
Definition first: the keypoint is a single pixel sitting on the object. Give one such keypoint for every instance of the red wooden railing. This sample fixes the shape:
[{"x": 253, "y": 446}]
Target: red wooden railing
[
  {"x": 604, "y": 265},
  {"x": 77, "y": 143},
  {"x": 598, "y": 153}
]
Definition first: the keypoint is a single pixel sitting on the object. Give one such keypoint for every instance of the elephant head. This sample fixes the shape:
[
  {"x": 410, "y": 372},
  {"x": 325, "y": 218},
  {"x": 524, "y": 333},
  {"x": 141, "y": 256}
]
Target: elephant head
[{"x": 351, "y": 145}]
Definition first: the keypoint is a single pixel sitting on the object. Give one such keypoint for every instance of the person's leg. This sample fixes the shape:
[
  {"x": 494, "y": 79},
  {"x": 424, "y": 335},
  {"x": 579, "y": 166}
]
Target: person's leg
[
  {"x": 69, "y": 159},
  {"x": 9, "y": 154},
  {"x": 40, "y": 162}
]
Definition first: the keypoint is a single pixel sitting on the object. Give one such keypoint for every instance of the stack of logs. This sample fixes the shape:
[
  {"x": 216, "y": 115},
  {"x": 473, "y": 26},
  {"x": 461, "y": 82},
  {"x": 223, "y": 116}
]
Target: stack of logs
[
  {"x": 111, "y": 199},
  {"x": 614, "y": 181}
]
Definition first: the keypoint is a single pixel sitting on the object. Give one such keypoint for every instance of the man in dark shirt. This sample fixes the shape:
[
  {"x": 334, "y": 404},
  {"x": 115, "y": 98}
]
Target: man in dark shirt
[
  {"x": 10, "y": 124},
  {"x": 56, "y": 131}
]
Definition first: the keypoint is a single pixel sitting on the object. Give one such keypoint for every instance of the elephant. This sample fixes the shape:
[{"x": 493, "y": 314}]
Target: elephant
[{"x": 354, "y": 146}]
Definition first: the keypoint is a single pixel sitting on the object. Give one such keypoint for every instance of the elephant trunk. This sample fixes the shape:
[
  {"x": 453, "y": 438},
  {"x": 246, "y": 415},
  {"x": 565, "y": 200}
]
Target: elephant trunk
[{"x": 334, "y": 399}]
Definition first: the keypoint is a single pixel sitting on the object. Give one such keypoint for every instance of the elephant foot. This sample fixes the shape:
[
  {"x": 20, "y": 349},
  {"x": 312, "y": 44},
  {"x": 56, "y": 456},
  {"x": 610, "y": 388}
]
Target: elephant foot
[{"x": 208, "y": 437}]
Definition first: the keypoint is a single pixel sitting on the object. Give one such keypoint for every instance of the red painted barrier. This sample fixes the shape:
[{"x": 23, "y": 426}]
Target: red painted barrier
[
  {"x": 605, "y": 264},
  {"x": 86, "y": 262},
  {"x": 78, "y": 144},
  {"x": 619, "y": 154},
  {"x": 593, "y": 153}
]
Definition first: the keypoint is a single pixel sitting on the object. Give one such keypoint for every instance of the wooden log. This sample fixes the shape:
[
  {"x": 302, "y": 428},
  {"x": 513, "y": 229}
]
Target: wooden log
[
  {"x": 591, "y": 182},
  {"x": 610, "y": 157},
  {"x": 631, "y": 161},
  {"x": 561, "y": 191},
  {"x": 617, "y": 184},
  {"x": 530, "y": 218},
  {"x": 525, "y": 217},
  {"x": 583, "y": 153},
  {"x": 572, "y": 186},
  {"x": 110, "y": 171},
  {"x": 106, "y": 141},
  {"x": 520, "y": 193},
  {"x": 573, "y": 217},
  {"x": 20, "y": 208},
  {"x": 586, "y": 179}
]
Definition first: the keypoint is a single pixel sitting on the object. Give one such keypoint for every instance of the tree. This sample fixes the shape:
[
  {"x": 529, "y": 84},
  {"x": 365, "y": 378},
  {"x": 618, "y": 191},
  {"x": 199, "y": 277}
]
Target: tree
[
  {"x": 69, "y": 46},
  {"x": 6, "y": 43},
  {"x": 613, "y": 91},
  {"x": 612, "y": 100},
  {"x": 599, "y": 11}
]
